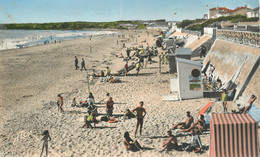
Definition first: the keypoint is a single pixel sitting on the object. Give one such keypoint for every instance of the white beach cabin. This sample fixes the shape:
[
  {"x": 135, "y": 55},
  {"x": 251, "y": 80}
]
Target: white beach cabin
[{"x": 188, "y": 84}]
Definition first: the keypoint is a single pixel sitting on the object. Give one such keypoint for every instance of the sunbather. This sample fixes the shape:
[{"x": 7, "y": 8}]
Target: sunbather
[
  {"x": 129, "y": 114},
  {"x": 198, "y": 126},
  {"x": 249, "y": 104},
  {"x": 171, "y": 143},
  {"x": 130, "y": 144},
  {"x": 184, "y": 125},
  {"x": 196, "y": 145}
]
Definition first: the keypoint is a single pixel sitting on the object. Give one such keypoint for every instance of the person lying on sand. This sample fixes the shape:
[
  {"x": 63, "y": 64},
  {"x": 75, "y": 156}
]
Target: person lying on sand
[
  {"x": 130, "y": 144},
  {"x": 198, "y": 126},
  {"x": 171, "y": 143},
  {"x": 115, "y": 79},
  {"x": 129, "y": 114},
  {"x": 184, "y": 125}
]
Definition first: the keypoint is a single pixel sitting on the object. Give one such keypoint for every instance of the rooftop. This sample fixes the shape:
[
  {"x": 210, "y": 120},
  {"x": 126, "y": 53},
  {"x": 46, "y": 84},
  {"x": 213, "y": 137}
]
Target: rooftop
[
  {"x": 219, "y": 8},
  {"x": 239, "y": 8}
]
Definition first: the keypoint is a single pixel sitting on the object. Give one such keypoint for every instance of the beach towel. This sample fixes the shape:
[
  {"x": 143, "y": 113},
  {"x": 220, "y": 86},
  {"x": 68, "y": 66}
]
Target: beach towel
[{"x": 113, "y": 120}]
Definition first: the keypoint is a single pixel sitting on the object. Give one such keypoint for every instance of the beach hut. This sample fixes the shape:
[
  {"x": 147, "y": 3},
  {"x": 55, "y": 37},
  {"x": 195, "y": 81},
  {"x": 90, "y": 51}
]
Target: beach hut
[
  {"x": 233, "y": 135},
  {"x": 188, "y": 83},
  {"x": 168, "y": 42},
  {"x": 184, "y": 53},
  {"x": 189, "y": 79}
]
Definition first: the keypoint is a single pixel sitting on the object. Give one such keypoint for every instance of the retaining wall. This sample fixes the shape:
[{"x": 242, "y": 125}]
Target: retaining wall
[{"x": 232, "y": 59}]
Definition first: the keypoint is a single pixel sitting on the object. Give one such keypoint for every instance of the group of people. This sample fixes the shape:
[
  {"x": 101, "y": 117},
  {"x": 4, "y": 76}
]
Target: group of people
[
  {"x": 172, "y": 143},
  {"x": 82, "y": 64},
  {"x": 225, "y": 96}
]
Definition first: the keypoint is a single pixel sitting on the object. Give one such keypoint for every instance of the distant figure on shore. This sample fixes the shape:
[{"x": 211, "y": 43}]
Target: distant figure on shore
[
  {"x": 128, "y": 52},
  {"x": 249, "y": 104},
  {"x": 126, "y": 68},
  {"x": 137, "y": 66},
  {"x": 76, "y": 63},
  {"x": 130, "y": 144},
  {"x": 74, "y": 103},
  {"x": 60, "y": 103},
  {"x": 141, "y": 112},
  {"x": 141, "y": 62},
  {"x": 90, "y": 48},
  {"x": 108, "y": 71},
  {"x": 46, "y": 138},
  {"x": 184, "y": 125},
  {"x": 109, "y": 107},
  {"x": 198, "y": 126},
  {"x": 83, "y": 64},
  {"x": 171, "y": 143},
  {"x": 203, "y": 51},
  {"x": 91, "y": 98},
  {"x": 224, "y": 100}
]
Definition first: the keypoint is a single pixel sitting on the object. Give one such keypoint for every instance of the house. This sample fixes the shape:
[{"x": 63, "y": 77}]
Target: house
[
  {"x": 128, "y": 25},
  {"x": 217, "y": 12},
  {"x": 238, "y": 11},
  {"x": 253, "y": 13}
]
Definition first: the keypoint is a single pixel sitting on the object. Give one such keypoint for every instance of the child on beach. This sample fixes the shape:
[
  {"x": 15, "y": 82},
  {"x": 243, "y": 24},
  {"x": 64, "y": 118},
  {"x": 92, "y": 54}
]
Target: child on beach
[
  {"x": 224, "y": 100},
  {"x": 130, "y": 144},
  {"x": 46, "y": 138},
  {"x": 137, "y": 67},
  {"x": 60, "y": 103}
]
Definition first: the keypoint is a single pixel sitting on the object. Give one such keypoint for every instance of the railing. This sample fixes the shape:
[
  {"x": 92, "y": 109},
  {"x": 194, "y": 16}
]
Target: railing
[
  {"x": 241, "y": 37},
  {"x": 198, "y": 33}
]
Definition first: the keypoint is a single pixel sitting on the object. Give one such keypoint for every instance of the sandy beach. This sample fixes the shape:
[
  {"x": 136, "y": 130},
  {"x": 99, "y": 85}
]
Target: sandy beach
[{"x": 32, "y": 77}]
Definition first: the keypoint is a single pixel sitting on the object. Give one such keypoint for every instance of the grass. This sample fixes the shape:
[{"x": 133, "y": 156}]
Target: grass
[{"x": 73, "y": 25}]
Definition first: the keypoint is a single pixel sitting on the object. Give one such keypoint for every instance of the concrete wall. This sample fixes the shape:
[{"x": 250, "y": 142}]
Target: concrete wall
[
  {"x": 195, "y": 46},
  {"x": 228, "y": 58}
]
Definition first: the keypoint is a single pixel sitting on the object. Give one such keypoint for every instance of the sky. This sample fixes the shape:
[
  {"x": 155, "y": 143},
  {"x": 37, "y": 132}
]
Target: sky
[{"x": 44, "y": 11}]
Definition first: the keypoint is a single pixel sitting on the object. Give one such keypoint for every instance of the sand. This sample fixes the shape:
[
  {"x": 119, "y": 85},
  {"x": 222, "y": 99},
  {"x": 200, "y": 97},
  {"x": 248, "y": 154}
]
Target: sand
[{"x": 32, "y": 77}]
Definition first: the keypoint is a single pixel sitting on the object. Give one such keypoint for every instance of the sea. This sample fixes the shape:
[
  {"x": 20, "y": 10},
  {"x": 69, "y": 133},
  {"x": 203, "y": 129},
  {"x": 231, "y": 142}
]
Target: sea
[{"x": 11, "y": 39}]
